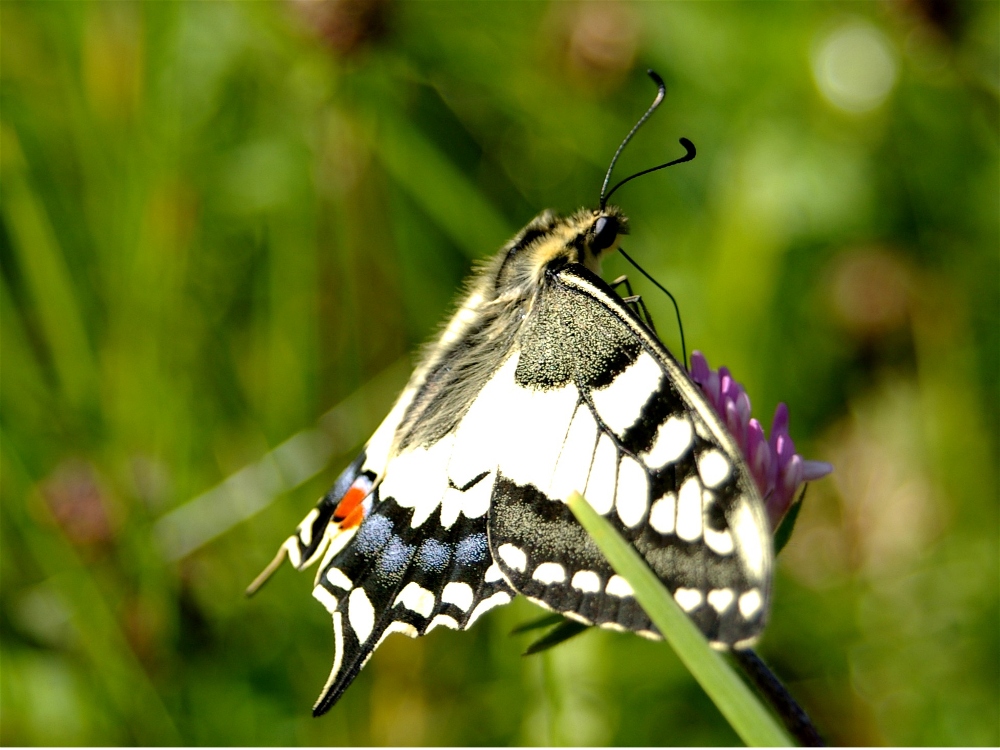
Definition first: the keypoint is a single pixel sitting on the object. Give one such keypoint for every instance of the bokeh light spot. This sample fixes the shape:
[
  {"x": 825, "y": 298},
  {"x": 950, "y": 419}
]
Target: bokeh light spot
[{"x": 855, "y": 67}]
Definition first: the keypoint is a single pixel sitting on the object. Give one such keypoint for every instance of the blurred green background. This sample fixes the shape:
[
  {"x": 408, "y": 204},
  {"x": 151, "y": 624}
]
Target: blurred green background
[{"x": 226, "y": 226}]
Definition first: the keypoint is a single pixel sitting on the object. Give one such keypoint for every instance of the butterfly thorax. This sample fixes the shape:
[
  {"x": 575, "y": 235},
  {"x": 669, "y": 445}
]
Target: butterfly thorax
[{"x": 484, "y": 330}]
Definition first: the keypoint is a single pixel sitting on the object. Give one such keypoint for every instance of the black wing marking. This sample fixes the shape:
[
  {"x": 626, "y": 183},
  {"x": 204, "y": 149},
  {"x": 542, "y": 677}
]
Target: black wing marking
[
  {"x": 394, "y": 577},
  {"x": 633, "y": 433}
]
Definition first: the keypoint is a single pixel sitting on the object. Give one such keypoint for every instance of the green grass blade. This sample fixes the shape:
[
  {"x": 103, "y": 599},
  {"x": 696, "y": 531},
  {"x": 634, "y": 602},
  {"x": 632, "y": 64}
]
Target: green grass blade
[
  {"x": 454, "y": 202},
  {"x": 52, "y": 289},
  {"x": 751, "y": 720}
]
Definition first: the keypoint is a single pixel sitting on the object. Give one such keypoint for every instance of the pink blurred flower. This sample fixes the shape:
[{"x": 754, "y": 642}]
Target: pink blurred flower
[{"x": 778, "y": 470}]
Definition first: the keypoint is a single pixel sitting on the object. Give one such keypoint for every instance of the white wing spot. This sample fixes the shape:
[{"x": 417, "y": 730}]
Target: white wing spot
[
  {"x": 577, "y": 618},
  {"x": 632, "y": 496},
  {"x": 493, "y": 574},
  {"x": 476, "y": 500},
  {"x": 360, "y": 614},
  {"x": 720, "y": 599},
  {"x": 337, "y": 578},
  {"x": 577, "y": 453},
  {"x": 528, "y": 448},
  {"x": 445, "y": 620},
  {"x": 713, "y": 467},
  {"x": 751, "y": 539},
  {"x": 419, "y": 479},
  {"x": 673, "y": 439},
  {"x": 614, "y": 626},
  {"x": 338, "y": 650},
  {"x": 498, "y": 599},
  {"x": 703, "y": 432},
  {"x": 618, "y": 586},
  {"x": 486, "y": 426},
  {"x": 458, "y": 593},
  {"x": 603, "y": 477},
  {"x": 662, "y": 514},
  {"x": 688, "y": 598},
  {"x": 514, "y": 557},
  {"x": 689, "y": 510},
  {"x": 720, "y": 542},
  {"x": 750, "y": 603},
  {"x": 325, "y": 598},
  {"x": 549, "y": 573},
  {"x": 306, "y": 527},
  {"x": 291, "y": 546},
  {"x": 620, "y": 404},
  {"x": 398, "y": 626},
  {"x": 586, "y": 581},
  {"x": 649, "y": 635},
  {"x": 416, "y": 598},
  {"x": 473, "y": 503},
  {"x": 539, "y": 602}
]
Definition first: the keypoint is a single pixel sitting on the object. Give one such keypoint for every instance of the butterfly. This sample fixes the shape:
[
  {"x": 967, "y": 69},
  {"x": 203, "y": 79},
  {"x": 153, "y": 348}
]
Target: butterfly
[{"x": 543, "y": 382}]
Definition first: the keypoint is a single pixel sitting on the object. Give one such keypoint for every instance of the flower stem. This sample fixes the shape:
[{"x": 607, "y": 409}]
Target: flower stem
[{"x": 792, "y": 715}]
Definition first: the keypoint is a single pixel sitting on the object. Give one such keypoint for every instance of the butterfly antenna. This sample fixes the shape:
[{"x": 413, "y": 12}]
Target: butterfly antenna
[
  {"x": 689, "y": 150},
  {"x": 663, "y": 289},
  {"x": 662, "y": 92}
]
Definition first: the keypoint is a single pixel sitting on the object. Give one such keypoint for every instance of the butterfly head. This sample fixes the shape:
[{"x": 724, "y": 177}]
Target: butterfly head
[{"x": 550, "y": 242}]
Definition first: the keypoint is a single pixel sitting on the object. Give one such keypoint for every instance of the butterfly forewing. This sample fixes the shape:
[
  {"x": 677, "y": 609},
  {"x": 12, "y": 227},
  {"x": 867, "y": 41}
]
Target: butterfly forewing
[{"x": 639, "y": 441}]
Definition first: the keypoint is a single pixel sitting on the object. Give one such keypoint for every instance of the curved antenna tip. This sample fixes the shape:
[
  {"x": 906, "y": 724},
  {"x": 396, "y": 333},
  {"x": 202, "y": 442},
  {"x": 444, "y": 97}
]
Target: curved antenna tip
[
  {"x": 656, "y": 78},
  {"x": 690, "y": 153}
]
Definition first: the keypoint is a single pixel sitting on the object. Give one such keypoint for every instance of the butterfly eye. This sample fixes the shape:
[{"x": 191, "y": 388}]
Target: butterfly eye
[{"x": 605, "y": 231}]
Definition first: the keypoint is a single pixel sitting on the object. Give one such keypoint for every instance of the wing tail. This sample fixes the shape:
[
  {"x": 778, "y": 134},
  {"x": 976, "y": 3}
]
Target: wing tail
[
  {"x": 390, "y": 577},
  {"x": 315, "y": 532}
]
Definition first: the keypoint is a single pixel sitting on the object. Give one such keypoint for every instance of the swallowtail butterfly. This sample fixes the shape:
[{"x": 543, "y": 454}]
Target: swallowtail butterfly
[{"x": 543, "y": 382}]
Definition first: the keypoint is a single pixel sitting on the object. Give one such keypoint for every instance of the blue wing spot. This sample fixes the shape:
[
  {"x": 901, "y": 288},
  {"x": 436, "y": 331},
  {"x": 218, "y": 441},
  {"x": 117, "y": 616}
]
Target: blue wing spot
[
  {"x": 394, "y": 559},
  {"x": 472, "y": 549},
  {"x": 373, "y": 534},
  {"x": 433, "y": 555}
]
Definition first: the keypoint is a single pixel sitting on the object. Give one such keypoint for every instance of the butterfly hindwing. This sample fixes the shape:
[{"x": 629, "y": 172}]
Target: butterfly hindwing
[
  {"x": 405, "y": 571},
  {"x": 634, "y": 435}
]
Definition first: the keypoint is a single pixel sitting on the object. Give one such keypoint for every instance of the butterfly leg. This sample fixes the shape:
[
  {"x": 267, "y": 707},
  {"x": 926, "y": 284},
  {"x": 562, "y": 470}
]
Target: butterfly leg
[
  {"x": 634, "y": 301},
  {"x": 641, "y": 311},
  {"x": 622, "y": 280}
]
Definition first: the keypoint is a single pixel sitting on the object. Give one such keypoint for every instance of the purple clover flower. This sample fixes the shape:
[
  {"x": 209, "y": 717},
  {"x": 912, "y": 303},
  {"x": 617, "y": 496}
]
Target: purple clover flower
[{"x": 778, "y": 470}]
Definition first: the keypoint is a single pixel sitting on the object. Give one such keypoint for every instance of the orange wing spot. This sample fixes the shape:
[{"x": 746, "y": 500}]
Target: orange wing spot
[
  {"x": 352, "y": 499},
  {"x": 354, "y": 518}
]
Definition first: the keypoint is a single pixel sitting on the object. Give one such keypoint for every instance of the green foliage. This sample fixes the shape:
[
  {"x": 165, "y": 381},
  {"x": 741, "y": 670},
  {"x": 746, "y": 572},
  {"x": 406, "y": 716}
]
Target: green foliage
[
  {"x": 783, "y": 534},
  {"x": 224, "y": 227}
]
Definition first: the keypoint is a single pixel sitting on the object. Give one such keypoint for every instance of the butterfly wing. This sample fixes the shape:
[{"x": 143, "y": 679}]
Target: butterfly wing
[
  {"x": 393, "y": 577},
  {"x": 597, "y": 405},
  {"x": 439, "y": 524},
  {"x": 404, "y": 546}
]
